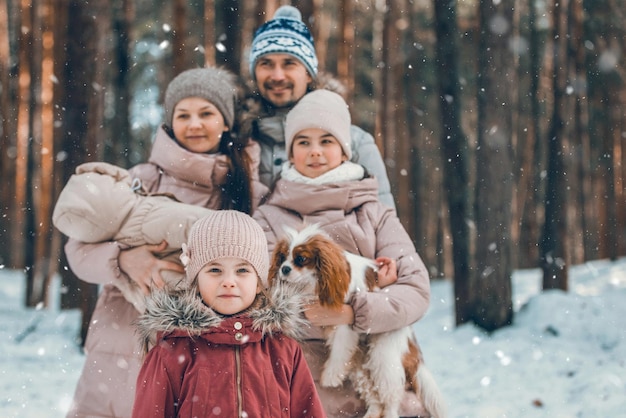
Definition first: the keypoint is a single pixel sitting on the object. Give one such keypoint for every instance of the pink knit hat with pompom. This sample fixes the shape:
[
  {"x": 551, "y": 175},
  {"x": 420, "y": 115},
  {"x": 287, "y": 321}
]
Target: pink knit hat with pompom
[{"x": 225, "y": 233}]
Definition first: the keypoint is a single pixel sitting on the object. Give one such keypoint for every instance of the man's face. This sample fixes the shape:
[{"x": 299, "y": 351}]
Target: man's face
[{"x": 281, "y": 79}]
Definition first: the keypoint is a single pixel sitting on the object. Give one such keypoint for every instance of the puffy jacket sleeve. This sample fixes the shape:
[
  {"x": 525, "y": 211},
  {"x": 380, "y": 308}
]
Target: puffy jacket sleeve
[
  {"x": 366, "y": 153},
  {"x": 263, "y": 217},
  {"x": 94, "y": 203},
  {"x": 98, "y": 262},
  {"x": 94, "y": 263},
  {"x": 305, "y": 401},
  {"x": 403, "y": 302},
  {"x": 259, "y": 190},
  {"x": 156, "y": 396}
]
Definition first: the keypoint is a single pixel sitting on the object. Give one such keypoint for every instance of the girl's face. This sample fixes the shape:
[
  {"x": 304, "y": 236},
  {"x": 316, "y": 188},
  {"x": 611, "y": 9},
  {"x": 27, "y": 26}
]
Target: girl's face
[
  {"x": 228, "y": 285},
  {"x": 315, "y": 151},
  {"x": 198, "y": 125}
]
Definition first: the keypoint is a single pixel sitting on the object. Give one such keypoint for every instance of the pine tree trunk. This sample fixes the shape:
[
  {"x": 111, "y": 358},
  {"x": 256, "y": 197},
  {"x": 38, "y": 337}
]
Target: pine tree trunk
[
  {"x": 397, "y": 147},
  {"x": 345, "y": 58},
  {"x": 490, "y": 289},
  {"x": 554, "y": 241},
  {"x": 119, "y": 148},
  {"x": 88, "y": 58},
  {"x": 7, "y": 138},
  {"x": 229, "y": 56},
  {"x": 22, "y": 216},
  {"x": 580, "y": 135},
  {"x": 179, "y": 34},
  {"x": 210, "y": 38},
  {"x": 454, "y": 153}
]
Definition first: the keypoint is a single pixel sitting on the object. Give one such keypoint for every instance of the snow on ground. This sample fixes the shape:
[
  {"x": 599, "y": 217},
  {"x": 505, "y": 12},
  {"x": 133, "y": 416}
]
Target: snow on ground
[
  {"x": 40, "y": 360},
  {"x": 564, "y": 356}
]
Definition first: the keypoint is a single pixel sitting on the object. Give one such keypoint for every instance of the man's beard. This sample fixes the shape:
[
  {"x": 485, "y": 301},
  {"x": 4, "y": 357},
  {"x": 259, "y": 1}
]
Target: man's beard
[{"x": 270, "y": 85}]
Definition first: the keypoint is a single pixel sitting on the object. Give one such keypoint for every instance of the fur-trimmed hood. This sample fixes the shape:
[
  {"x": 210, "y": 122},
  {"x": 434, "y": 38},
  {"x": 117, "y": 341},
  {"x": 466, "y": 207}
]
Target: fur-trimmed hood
[
  {"x": 183, "y": 313},
  {"x": 203, "y": 361}
]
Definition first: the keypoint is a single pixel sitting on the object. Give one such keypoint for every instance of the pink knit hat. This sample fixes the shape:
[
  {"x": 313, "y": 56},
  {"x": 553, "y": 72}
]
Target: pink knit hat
[
  {"x": 225, "y": 233},
  {"x": 321, "y": 109}
]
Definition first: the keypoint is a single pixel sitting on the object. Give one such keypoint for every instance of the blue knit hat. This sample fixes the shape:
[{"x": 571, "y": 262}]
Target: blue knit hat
[{"x": 285, "y": 34}]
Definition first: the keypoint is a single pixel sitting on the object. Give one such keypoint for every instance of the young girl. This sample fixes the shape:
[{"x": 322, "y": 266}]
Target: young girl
[
  {"x": 196, "y": 157},
  {"x": 221, "y": 347},
  {"x": 320, "y": 185}
]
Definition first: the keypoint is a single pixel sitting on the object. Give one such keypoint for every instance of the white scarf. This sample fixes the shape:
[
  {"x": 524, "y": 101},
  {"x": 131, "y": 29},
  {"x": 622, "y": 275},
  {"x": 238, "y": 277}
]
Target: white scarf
[{"x": 347, "y": 171}]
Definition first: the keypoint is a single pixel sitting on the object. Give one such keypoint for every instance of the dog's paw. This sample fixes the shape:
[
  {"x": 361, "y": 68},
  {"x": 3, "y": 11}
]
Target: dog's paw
[
  {"x": 375, "y": 412},
  {"x": 331, "y": 379}
]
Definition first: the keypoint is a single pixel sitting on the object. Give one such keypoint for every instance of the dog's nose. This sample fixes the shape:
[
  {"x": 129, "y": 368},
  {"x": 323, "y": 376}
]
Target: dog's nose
[{"x": 285, "y": 270}]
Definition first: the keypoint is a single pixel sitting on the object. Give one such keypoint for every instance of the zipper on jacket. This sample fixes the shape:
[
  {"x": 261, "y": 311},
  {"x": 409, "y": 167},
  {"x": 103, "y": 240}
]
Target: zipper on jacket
[{"x": 238, "y": 377}]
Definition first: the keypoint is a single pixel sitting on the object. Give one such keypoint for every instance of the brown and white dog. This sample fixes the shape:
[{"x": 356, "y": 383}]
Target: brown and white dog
[{"x": 310, "y": 263}]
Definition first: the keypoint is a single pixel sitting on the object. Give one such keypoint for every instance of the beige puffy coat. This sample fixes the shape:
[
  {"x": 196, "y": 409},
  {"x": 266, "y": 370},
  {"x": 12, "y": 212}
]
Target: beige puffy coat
[
  {"x": 102, "y": 202},
  {"x": 351, "y": 213}
]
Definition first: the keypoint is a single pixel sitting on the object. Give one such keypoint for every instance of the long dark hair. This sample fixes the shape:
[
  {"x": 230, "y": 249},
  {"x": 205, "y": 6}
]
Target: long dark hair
[{"x": 237, "y": 190}]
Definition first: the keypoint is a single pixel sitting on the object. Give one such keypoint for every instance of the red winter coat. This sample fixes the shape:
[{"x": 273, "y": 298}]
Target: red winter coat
[{"x": 205, "y": 364}]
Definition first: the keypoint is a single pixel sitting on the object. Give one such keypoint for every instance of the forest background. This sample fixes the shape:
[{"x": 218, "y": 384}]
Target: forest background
[{"x": 501, "y": 122}]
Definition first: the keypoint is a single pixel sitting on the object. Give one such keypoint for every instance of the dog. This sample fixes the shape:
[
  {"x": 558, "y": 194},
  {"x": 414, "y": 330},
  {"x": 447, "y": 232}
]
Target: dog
[{"x": 310, "y": 263}]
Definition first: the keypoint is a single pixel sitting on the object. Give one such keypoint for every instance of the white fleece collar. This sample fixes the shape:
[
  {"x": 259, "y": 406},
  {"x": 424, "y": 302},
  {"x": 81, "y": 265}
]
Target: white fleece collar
[{"x": 347, "y": 171}]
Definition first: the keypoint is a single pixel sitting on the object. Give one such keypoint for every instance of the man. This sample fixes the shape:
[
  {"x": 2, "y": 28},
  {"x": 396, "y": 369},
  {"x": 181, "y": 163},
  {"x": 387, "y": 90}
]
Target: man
[{"x": 283, "y": 66}]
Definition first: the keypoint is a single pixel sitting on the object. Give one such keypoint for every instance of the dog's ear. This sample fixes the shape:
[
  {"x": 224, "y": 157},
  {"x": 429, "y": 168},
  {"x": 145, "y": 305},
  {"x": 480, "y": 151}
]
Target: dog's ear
[
  {"x": 371, "y": 278},
  {"x": 331, "y": 263},
  {"x": 279, "y": 255}
]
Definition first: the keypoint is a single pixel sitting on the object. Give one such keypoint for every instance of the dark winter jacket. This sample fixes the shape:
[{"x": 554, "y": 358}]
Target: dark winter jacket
[{"x": 205, "y": 364}]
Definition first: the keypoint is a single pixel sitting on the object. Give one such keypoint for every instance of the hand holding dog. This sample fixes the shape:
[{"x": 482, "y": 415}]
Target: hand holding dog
[
  {"x": 142, "y": 266},
  {"x": 322, "y": 316},
  {"x": 387, "y": 271}
]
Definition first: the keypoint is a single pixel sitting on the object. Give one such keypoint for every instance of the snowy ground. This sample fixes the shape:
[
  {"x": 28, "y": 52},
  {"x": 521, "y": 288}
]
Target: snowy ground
[{"x": 565, "y": 355}]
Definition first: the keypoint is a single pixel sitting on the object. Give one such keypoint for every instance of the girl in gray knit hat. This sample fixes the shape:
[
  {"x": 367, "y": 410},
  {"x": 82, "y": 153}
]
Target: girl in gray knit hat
[
  {"x": 197, "y": 158},
  {"x": 223, "y": 345},
  {"x": 200, "y": 116}
]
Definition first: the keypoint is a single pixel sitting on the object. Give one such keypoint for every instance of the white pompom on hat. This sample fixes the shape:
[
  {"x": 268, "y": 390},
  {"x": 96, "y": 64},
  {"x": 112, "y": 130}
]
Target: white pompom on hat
[
  {"x": 321, "y": 109},
  {"x": 225, "y": 233}
]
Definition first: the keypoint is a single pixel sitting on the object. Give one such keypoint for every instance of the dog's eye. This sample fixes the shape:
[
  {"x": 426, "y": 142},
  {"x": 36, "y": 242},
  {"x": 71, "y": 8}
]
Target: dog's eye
[{"x": 299, "y": 260}]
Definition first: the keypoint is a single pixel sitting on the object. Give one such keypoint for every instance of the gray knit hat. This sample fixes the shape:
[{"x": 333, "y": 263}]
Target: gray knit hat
[
  {"x": 225, "y": 233},
  {"x": 321, "y": 109},
  {"x": 285, "y": 34},
  {"x": 216, "y": 85}
]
